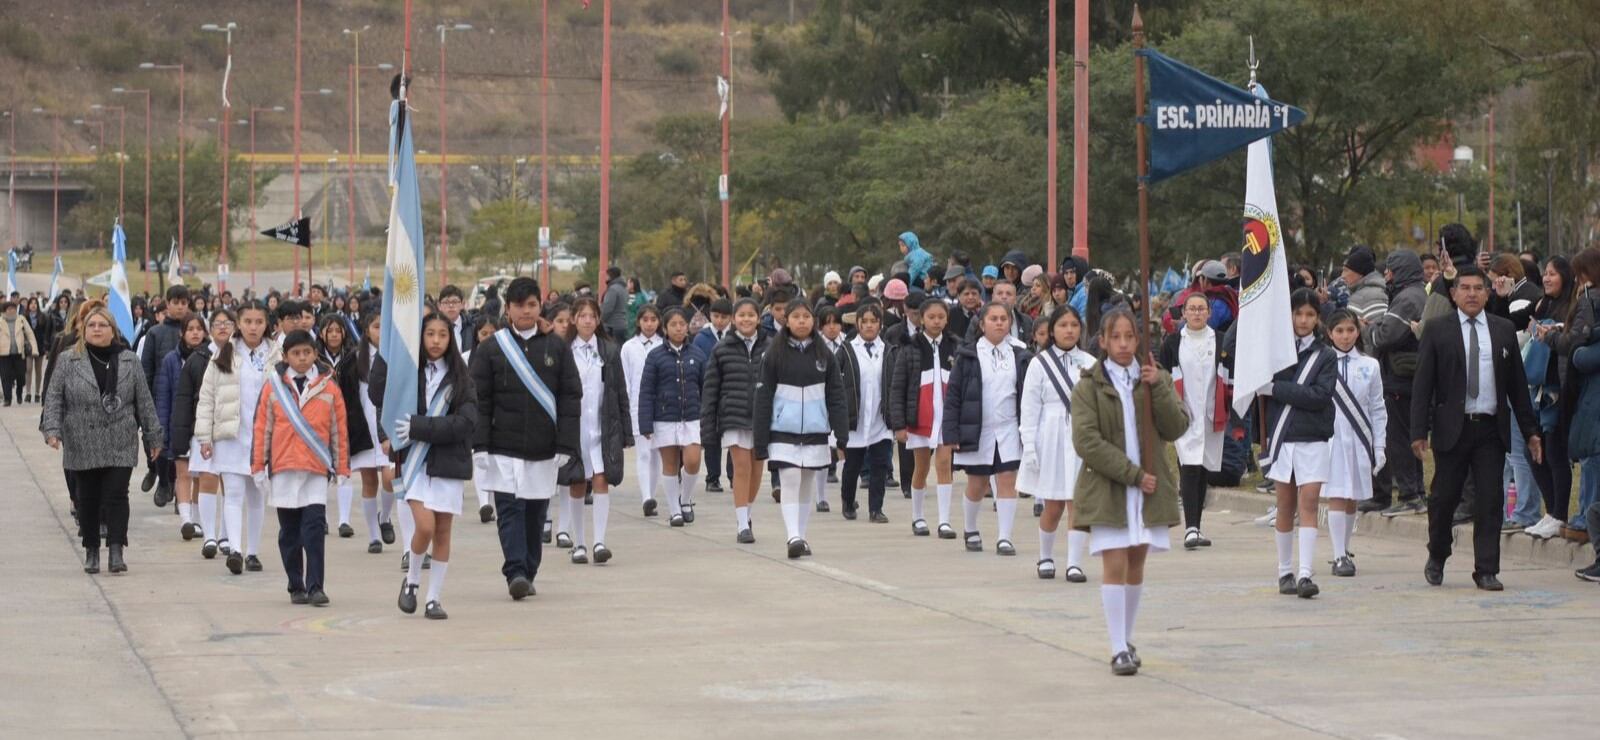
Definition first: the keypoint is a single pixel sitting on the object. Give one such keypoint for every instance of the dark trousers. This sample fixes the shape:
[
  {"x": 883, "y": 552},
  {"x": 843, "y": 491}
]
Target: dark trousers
[
  {"x": 102, "y": 499},
  {"x": 521, "y": 523},
  {"x": 713, "y": 462},
  {"x": 1404, "y": 470},
  {"x": 908, "y": 463},
  {"x": 301, "y": 533},
  {"x": 12, "y": 373},
  {"x": 1192, "y": 489},
  {"x": 876, "y": 459},
  {"x": 1555, "y": 473},
  {"x": 1480, "y": 457}
]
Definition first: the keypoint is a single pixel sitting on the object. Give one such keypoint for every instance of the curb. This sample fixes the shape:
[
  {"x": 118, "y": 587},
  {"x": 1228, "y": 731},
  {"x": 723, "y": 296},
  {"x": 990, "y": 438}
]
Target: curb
[{"x": 1555, "y": 552}]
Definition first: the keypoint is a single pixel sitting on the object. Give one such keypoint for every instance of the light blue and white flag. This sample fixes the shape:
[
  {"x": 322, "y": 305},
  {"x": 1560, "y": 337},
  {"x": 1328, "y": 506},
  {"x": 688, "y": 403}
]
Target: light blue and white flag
[
  {"x": 366, "y": 282},
  {"x": 11, "y": 272},
  {"x": 401, "y": 324},
  {"x": 117, "y": 298},
  {"x": 55, "y": 279}
]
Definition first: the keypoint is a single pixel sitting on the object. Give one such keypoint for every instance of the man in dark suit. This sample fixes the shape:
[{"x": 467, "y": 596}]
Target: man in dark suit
[{"x": 1469, "y": 371}]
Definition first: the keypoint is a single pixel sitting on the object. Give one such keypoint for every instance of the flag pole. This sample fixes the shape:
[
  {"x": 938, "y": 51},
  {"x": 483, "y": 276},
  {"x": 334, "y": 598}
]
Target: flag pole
[
  {"x": 1050, "y": 147},
  {"x": 1147, "y": 450},
  {"x": 605, "y": 139}
]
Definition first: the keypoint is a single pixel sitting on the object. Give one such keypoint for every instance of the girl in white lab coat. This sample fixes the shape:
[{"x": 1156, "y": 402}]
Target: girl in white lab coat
[
  {"x": 1192, "y": 354},
  {"x": 647, "y": 460},
  {"x": 1049, "y": 462},
  {"x": 1359, "y": 426},
  {"x": 224, "y": 425}
]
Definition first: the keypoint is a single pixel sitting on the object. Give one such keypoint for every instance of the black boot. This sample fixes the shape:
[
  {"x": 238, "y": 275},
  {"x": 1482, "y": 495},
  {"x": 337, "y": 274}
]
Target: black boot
[
  {"x": 117, "y": 565},
  {"x": 91, "y": 561}
]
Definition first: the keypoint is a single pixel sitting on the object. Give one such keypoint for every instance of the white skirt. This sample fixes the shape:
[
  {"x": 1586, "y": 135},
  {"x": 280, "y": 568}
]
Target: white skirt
[
  {"x": 369, "y": 460},
  {"x": 197, "y": 462},
  {"x": 442, "y": 495},
  {"x": 741, "y": 438},
  {"x": 675, "y": 434},
  {"x": 919, "y": 442},
  {"x": 297, "y": 489},
  {"x": 1102, "y": 538},
  {"x": 1302, "y": 463},
  {"x": 594, "y": 460}
]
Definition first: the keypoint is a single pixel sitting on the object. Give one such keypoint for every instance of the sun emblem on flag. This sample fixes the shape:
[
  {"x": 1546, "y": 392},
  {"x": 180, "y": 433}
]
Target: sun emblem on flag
[{"x": 405, "y": 283}]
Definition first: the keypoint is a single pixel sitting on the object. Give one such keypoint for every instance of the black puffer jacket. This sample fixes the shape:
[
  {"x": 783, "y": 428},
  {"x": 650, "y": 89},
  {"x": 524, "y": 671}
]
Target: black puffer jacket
[
  {"x": 510, "y": 422},
  {"x": 361, "y": 438},
  {"x": 728, "y": 396},
  {"x": 850, "y": 366},
  {"x": 1312, "y": 401},
  {"x": 450, "y": 434},
  {"x": 1390, "y": 335},
  {"x": 905, "y": 388},
  {"x": 161, "y": 339},
  {"x": 616, "y": 426},
  {"x": 964, "y": 402},
  {"x": 186, "y": 397},
  {"x": 800, "y": 374}
]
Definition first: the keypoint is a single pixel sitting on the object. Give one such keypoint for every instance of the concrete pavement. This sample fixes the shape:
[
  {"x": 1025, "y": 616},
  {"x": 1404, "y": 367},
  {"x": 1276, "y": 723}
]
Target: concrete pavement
[{"x": 687, "y": 634}]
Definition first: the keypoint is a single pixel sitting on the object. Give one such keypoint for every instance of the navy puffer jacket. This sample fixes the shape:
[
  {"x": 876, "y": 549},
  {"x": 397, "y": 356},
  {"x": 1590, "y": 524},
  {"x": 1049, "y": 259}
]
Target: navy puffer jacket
[
  {"x": 963, "y": 400},
  {"x": 669, "y": 389}
]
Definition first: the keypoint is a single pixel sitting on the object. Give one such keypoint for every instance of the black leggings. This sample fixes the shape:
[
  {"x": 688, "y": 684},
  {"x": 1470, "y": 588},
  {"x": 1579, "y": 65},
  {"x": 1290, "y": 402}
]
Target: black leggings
[
  {"x": 1192, "y": 489},
  {"x": 102, "y": 498},
  {"x": 1554, "y": 474}
]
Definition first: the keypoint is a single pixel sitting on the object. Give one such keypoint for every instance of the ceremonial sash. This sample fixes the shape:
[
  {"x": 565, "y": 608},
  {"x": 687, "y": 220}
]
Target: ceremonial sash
[
  {"x": 1275, "y": 440},
  {"x": 1345, "y": 400},
  {"x": 1052, "y": 367},
  {"x": 418, "y": 453},
  {"x": 290, "y": 402},
  {"x": 524, "y": 371}
]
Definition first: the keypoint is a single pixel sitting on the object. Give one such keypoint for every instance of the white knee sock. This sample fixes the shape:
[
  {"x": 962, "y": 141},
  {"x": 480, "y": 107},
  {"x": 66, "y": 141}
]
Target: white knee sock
[
  {"x": 1077, "y": 545},
  {"x": 969, "y": 513},
  {"x": 1337, "y": 532},
  {"x": 1006, "y": 509},
  {"x": 806, "y": 489},
  {"x": 1130, "y": 595},
  {"x": 942, "y": 490},
  {"x": 1114, "y": 601},
  {"x": 917, "y": 494},
  {"x": 369, "y": 512},
  {"x": 408, "y": 524},
  {"x": 185, "y": 512},
  {"x": 208, "y": 514},
  {"x": 436, "y": 579},
  {"x": 575, "y": 520},
  {"x": 414, "y": 566},
  {"x": 1308, "y": 550},
  {"x": 233, "y": 518},
  {"x": 821, "y": 483},
  {"x": 255, "y": 514},
  {"x": 789, "y": 479},
  {"x": 484, "y": 496},
  {"x": 564, "y": 512},
  {"x": 1047, "y": 545},
  {"x": 387, "y": 497},
  {"x": 649, "y": 465},
  {"x": 1349, "y": 532},
  {"x": 346, "y": 493},
  {"x": 1285, "y": 542},
  {"x": 689, "y": 486},
  {"x": 741, "y": 519},
  {"x": 669, "y": 488},
  {"x": 602, "y": 514}
]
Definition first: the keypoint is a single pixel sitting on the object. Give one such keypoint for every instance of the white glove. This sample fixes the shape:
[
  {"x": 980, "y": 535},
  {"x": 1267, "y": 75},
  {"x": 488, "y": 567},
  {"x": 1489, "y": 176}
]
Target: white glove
[
  {"x": 402, "y": 432},
  {"x": 562, "y": 460},
  {"x": 1382, "y": 461},
  {"x": 263, "y": 481}
]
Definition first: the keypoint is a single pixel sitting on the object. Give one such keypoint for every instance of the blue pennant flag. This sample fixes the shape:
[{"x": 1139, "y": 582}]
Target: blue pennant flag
[{"x": 1194, "y": 118}]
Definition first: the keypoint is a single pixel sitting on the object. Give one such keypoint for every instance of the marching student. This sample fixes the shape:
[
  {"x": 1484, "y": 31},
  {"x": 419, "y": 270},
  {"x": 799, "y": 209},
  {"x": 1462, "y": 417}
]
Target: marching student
[
  {"x": 603, "y": 432},
  {"x": 336, "y": 349},
  {"x": 298, "y": 452},
  {"x": 634, "y": 351},
  {"x": 1356, "y": 451},
  {"x": 868, "y": 366},
  {"x": 1126, "y": 503},
  {"x": 800, "y": 400},
  {"x": 1193, "y": 355},
  {"x": 529, "y": 401},
  {"x": 727, "y": 408},
  {"x": 830, "y": 327},
  {"x": 916, "y": 411},
  {"x": 435, "y": 458},
  {"x": 224, "y": 425},
  {"x": 707, "y": 340},
  {"x": 669, "y": 414},
  {"x": 558, "y": 316},
  {"x": 1295, "y": 454},
  {"x": 191, "y": 337},
  {"x": 185, "y": 403},
  {"x": 981, "y": 417},
  {"x": 485, "y": 327},
  {"x": 372, "y": 463},
  {"x": 1049, "y": 461}
]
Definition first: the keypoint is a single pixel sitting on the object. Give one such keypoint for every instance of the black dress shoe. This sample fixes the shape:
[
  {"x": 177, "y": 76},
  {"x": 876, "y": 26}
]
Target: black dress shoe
[
  {"x": 235, "y": 562},
  {"x": 519, "y": 587},
  {"x": 676, "y": 520},
  {"x": 1485, "y": 581},
  {"x": 1434, "y": 572},
  {"x": 299, "y": 597},
  {"x": 1286, "y": 585},
  {"x": 601, "y": 553},
  {"x": 849, "y": 514},
  {"x": 822, "y": 507},
  {"x": 91, "y": 561},
  {"x": 408, "y": 597},
  {"x": 486, "y": 513},
  {"x": 1306, "y": 589},
  {"x": 434, "y": 611},
  {"x": 713, "y": 486},
  {"x": 345, "y": 531},
  {"x": 1122, "y": 664},
  {"x": 319, "y": 598},
  {"x": 879, "y": 518},
  {"x": 149, "y": 481},
  {"x": 1004, "y": 547},
  {"x": 187, "y": 531},
  {"x": 116, "y": 564},
  {"x": 209, "y": 549},
  {"x": 252, "y": 564},
  {"x": 650, "y": 507},
  {"x": 374, "y": 547},
  {"x": 688, "y": 514},
  {"x": 1075, "y": 575},
  {"x": 386, "y": 531},
  {"x": 745, "y": 537},
  {"x": 564, "y": 540},
  {"x": 1133, "y": 652},
  {"x": 920, "y": 528},
  {"x": 797, "y": 547},
  {"x": 974, "y": 541},
  {"x": 947, "y": 532}
]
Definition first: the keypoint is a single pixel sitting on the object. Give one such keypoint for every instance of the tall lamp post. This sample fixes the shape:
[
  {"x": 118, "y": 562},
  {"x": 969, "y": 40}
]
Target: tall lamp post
[
  {"x": 444, "y": 158},
  {"x": 254, "y": 227},
  {"x": 146, "y": 94},
  {"x": 227, "y": 30},
  {"x": 55, "y": 177},
  {"x": 182, "y": 154},
  {"x": 122, "y": 146},
  {"x": 99, "y": 150},
  {"x": 355, "y": 86}
]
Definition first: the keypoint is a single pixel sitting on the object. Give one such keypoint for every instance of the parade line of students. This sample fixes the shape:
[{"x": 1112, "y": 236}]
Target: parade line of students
[{"x": 543, "y": 402}]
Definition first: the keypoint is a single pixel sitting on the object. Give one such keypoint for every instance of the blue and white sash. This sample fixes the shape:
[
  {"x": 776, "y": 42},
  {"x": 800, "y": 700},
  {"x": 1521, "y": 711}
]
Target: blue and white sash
[
  {"x": 1055, "y": 369},
  {"x": 290, "y": 401},
  {"x": 1274, "y": 442},
  {"x": 1345, "y": 399},
  {"x": 530, "y": 379},
  {"x": 418, "y": 453}
]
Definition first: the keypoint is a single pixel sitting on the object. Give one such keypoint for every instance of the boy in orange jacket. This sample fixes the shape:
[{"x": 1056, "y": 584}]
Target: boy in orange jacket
[{"x": 299, "y": 451}]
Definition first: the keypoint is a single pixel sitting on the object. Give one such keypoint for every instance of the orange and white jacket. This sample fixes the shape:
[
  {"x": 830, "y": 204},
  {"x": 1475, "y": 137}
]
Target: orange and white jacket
[{"x": 276, "y": 441}]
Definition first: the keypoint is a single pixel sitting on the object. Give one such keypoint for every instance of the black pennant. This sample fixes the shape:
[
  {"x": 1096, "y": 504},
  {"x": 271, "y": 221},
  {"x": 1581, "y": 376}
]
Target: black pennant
[{"x": 294, "y": 232}]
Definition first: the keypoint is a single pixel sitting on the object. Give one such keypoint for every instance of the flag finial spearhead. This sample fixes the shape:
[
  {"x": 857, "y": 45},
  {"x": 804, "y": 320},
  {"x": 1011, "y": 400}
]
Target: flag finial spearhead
[{"x": 1255, "y": 63}]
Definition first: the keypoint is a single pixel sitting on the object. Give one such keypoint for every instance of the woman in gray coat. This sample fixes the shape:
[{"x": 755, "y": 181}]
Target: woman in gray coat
[{"x": 91, "y": 412}]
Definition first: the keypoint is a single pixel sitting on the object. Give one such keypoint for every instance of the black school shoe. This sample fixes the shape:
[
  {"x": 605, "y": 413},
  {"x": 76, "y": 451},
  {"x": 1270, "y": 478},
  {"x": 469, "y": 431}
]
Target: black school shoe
[
  {"x": 386, "y": 532},
  {"x": 1286, "y": 585},
  {"x": 797, "y": 548},
  {"x": 650, "y": 507},
  {"x": 520, "y": 587},
  {"x": 849, "y": 514},
  {"x": 974, "y": 541},
  {"x": 346, "y": 531},
  {"x": 408, "y": 597},
  {"x": 1306, "y": 589},
  {"x": 486, "y": 513},
  {"x": 319, "y": 598},
  {"x": 299, "y": 597},
  {"x": 1122, "y": 664}
]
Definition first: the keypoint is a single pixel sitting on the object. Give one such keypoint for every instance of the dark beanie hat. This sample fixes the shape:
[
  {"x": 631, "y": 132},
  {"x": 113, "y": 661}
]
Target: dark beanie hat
[{"x": 1361, "y": 260}]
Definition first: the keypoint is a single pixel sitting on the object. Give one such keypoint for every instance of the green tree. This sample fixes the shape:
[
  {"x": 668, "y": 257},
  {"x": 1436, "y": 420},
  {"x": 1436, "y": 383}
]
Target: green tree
[{"x": 502, "y": 232}]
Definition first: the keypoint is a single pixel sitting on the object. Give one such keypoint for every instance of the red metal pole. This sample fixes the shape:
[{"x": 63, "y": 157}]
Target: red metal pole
[
  {"x": 147, "y": 192},
  {"x": 1053, "y": 133},
  {"x": 295, "y": 287},
  {"x": 444, "y": 174},
  {"x": 605, "y": 140},
  {"x": 727, "y": 120},
  {"x": 1080, "y": 130},
  {"x": 1488, "y": 243},
  {"x": 350, "y": 178},
  {"x": 253, "y": 235},
  {"x": 182, "y": 155},
  {"x": 55, "y": 197},
  {"x": 544, "y": 139}
]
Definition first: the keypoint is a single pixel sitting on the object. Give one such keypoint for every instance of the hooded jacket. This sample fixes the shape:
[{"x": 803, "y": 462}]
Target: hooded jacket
[
  {"x": 918, "y": 261},
  {"x": 800, "y": 398},
  {"x": 1390, "y": 335}
]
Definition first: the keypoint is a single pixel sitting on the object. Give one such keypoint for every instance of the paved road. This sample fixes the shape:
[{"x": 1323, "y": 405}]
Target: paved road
[{"x": 687, "y": 634}]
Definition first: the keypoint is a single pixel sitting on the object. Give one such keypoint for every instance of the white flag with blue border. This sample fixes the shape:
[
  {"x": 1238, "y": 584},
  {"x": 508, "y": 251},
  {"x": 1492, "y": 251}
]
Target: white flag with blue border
[{"x": 55, "y": 279}]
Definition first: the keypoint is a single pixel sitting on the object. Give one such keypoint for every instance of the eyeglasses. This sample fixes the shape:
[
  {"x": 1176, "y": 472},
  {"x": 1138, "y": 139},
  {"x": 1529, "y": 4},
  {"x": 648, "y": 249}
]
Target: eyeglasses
[{"x": 222, "y": 324}]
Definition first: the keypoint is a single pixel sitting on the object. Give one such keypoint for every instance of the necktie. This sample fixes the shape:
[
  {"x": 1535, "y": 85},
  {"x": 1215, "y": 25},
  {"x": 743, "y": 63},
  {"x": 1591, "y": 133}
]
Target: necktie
[
  {"x": 869, "y": 350},
  {"x": 999, "y": 360},
  {"x": 300, "y": 383},
  {"x": 1472, "y": 357},
  {"x": 1344, "y": 368}
]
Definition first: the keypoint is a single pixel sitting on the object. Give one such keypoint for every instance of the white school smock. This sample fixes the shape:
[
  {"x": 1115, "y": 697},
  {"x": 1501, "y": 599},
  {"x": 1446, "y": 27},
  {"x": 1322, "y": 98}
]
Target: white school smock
[
  {"x": 1049, "y": 461},
  {"x": 634, "y": 352},
  {"x": 1101, "y": 537},
  {"x": 870, "y": 426},
  {"x": 590, "y": 371},
  {"x": 373, "y": 458},
  {"x": 1349, "y": 469},
  {"x": 233, "y": 455},
  {"x": 1001, "y": 437},
  {"x": 1197, "y": 358}
]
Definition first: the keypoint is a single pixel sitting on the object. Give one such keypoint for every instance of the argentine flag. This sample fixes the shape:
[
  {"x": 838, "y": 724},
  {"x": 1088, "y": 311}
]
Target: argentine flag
[
  {"x": 11, "y": 272},
  {"x": 55, "y": 279},
  {"x": 401, "y": 323},
  {"x": 117, "y": 297}
]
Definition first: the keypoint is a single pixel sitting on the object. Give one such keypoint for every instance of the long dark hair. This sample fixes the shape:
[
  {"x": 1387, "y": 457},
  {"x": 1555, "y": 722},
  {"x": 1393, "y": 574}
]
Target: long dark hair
[
  {"x": 205, "y": 329},
  {"x": 1561, "y": 306},
  {"x": 224, "y": 357},
  {"x": 337, "y": 320},
  {"x": 583, "y": 302},
  {"x": 364, "y": 353},
  {"x": 457, "y": 369},
  {"x": 1061, "y": 312}
]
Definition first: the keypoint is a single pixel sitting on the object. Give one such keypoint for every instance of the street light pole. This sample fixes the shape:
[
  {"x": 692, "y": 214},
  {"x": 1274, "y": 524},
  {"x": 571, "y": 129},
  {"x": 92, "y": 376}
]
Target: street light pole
[
  {"x": 55, "y": 177},
  {"x": 181, "y": 153},
  {"x": 605, "y": 138},
  {"x": 122, "y": 154},
  {"x": 355, "y": 85},
  {"x": 544, "y": 140},
  {"x": 725, "y": 187},
  {"x": 444, "y": 158},
  {"x": 254, "y": 227},
  {"x": 227, "y": 124},
  {"x": 294, "y": 288},
  {"x": 146, "y": 93}
]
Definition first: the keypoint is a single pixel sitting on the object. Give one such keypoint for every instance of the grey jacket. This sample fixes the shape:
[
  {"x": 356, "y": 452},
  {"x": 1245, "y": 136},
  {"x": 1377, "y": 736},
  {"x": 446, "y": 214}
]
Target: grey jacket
[
  {"x": 1390, "y": 336},
  {"x": 90, "y": 437},
  {"x": 614, "y": 309}
]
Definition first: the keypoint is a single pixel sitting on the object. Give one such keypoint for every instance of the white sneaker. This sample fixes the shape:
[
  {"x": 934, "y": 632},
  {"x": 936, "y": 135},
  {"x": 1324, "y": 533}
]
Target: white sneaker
[
  {"x": 1267, "y": 519},
  {"x": 1547, "y": 527}
]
